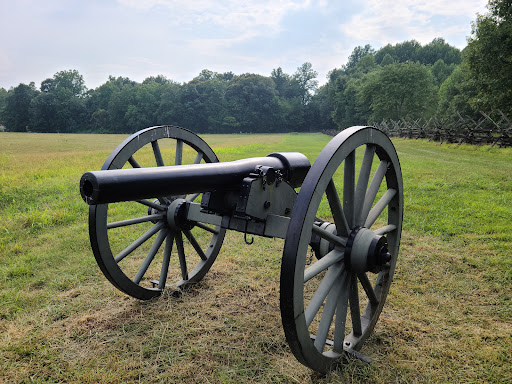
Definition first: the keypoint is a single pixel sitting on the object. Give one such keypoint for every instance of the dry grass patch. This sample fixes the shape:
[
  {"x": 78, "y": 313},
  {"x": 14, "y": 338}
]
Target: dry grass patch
[{"x": 439, "y": 325}]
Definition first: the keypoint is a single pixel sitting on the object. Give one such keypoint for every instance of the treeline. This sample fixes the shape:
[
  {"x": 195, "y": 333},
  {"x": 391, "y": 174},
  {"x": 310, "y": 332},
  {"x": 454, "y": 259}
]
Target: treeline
[
  {"x": 211, "y": 102},
  {"x": 395, "y": 81},
  {"x": 402, "y": 81},
  {"x": 410, "y": 82}
]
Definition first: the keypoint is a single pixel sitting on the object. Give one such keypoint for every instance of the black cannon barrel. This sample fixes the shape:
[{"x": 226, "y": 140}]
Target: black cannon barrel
[{"x": 110, "y": 186}]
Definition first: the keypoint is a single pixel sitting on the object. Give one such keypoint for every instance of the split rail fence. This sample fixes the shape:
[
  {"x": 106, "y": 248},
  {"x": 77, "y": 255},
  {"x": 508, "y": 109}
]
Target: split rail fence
[{"x": 493, "y": 129}]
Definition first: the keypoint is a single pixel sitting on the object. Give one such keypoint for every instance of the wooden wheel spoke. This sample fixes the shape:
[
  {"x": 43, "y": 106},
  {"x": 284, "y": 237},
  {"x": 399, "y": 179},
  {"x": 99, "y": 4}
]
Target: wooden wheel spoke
[
  {"x": 181, "y": 256},
  {"x": 178, "y": 159},
  {"x": 372, "y": 191},
  {"x": 354, "y": 306},
  {"x": 151, "y": 255},
  {"x": 349, "y": 175},
  {"x": 166, "y": 260},
  {"x": 137, "y": 243},
  {"x": 160, "y": 163},
  {"x": 327, "y": 315},
  {"x": 207, "y": 228},
  {"x": 148, "y": 203},
  {"x": 326, "y": 235},
  {"x": 321, "y": 265},
  {"x": 367, "y": 286},
  {"x": 322, "y": 291},
  {"x": 136, "y": 220},
  {"x": 341, "y": 314},
  {"x": 340, "y": 220},
  {"x": 385, "y": 230},
  {"x": 379, "y": 207},
  {"x": 157, "y": 153},
  {"x": 198, "y": 158},
  {"x": 133, "y": 162},
  {"x": 362, "y": 180},
  {"x": 195, "y": 244}
]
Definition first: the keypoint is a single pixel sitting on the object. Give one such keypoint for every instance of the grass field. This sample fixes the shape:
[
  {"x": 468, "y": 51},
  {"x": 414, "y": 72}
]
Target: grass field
[{"x": 447, "y": 319}]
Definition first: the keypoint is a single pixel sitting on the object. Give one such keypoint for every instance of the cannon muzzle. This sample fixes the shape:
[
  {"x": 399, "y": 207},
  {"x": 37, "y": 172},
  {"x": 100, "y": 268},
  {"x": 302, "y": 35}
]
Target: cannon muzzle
[{"x": 110, "y": 186}]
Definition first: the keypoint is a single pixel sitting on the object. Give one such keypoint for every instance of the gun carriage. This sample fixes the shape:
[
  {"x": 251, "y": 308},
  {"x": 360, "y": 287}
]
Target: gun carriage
[{"x": 341, "y": 230}]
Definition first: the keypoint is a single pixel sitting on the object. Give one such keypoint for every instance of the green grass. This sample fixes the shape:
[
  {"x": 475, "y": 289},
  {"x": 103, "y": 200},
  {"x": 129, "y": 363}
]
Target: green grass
[{"x": 448, "y": 317}]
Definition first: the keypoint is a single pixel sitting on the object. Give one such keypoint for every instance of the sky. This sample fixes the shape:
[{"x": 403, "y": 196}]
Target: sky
[{"x": 179, "y": 38}]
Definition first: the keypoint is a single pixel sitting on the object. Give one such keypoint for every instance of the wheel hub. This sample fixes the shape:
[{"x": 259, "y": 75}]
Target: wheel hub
[
  {"x": 177, "y": 215},
  {"x": 365, "y": 251}
]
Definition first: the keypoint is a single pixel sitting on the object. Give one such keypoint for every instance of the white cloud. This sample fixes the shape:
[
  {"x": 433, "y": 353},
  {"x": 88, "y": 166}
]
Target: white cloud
[
  {"x": 467, "y": 8},
  {"x": 178, "y": 38},
  {"x": 388, "y": 21},
  {"x": 244, "y": 19}
]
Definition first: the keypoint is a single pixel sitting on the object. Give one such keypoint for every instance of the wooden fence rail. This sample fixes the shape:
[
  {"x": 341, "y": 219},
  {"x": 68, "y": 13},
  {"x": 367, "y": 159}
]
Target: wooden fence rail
[{"x": 493, "y": 129}]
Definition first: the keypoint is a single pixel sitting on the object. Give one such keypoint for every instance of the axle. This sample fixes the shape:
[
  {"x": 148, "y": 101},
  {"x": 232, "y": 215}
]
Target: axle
[{"x": 109, "y": 186}]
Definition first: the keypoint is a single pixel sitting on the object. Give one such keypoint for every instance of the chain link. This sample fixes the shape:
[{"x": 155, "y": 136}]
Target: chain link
[{"x": 310, "y": 258}]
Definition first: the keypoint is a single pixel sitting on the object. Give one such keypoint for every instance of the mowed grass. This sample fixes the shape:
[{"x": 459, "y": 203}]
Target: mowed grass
[{"x": 447, "y": 319}]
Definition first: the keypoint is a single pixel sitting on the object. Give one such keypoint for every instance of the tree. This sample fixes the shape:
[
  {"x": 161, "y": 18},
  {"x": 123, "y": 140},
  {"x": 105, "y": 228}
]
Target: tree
[
  {"x": 489, "y": 57},
  {"x": 71, "y": 80},
  {"x": 337, "y": 86},
  {"x": 98, "y": 105},
  {"x": 439, "y": 49},
  {"x": 399, "y": 90},
  {"x": 206, "y": 74},
  {"x": 387, "y": 50},
  {"x": 412, "y": 51},
  {"x": 99, "y": 121},
  {"x": 305, "y": 76},
  {"x": 365, "y": 65},
  {"x": 281, "y": 80},
  {"x": 501, "y": 9},
  {"x": 168, "y": 111},
  {"x": 386, "y": 60},
  {"x": 290, "y": 114},
  {"x": 348, "y": 108},
  {"x": 61, "y": 104},
  {"x": 141, "y": 112},
  {"x": 294, "y": 92},
  {"x": 253, "y": 102},
  {"x": 357, "y": 54},
  {"x": 287, "y": 86},
  {"x": 455, "y": 93},
  {"x": 408, "y": 51},
  {"x": 202, "y": 102},
  {"x": 3, "y": 102},
  {"x": 159, "y": 79},
  {"x": 442, "y": 71},
  {"x": 43, "y": 111},
  {"x": 226, "y": 76},
  {"x": 318, "y": 112},
  {"x": 121, "y": 97},
  {"x": 17, "y": 107}
]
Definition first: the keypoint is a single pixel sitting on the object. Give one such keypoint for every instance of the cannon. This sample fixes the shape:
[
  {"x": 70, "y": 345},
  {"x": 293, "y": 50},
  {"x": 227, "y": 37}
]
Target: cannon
[{"x": 164, "y": 188}]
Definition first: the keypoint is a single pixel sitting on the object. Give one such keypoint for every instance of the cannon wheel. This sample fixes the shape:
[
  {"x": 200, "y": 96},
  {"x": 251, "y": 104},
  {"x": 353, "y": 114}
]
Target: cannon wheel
[
  {"x": 127, "y": 238},
  {"x": 330, "y": 306}
]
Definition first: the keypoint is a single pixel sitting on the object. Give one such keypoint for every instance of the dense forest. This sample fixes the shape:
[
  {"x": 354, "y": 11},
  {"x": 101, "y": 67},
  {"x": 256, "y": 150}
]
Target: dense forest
[{"x": 402, "y": 81}]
